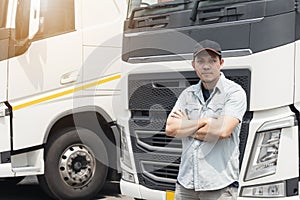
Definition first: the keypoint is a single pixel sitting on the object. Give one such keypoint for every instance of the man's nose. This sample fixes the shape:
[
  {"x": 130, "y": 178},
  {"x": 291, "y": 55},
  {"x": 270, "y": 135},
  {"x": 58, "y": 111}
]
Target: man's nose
[{"x": 206, "y": 66}]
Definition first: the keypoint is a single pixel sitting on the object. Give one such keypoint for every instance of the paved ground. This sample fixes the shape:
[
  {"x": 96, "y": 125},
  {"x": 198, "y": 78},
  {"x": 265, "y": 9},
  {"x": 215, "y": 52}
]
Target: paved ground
[{"x": 29, "y": 189}]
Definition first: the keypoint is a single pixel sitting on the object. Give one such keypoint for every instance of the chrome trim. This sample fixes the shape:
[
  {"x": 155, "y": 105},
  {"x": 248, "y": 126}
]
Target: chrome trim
[
  {"x": 278, "y": 124},
  {"x": 187, "y": 56},
  {"x": 156, "y": 178},
  {"x": 236, "y": 53},
  {"x": 152, "y": 148},
  {"x": 161, "y": 58}
]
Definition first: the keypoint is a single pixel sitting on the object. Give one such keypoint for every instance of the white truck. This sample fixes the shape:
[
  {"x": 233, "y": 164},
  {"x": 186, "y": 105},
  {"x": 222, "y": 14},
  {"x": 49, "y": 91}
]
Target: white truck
[
  {"x": 261, "y": 43},
  {"x": 59, "y": 71}
]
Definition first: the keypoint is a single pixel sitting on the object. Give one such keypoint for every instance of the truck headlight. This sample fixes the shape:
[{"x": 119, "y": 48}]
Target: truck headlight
[
  {"x": 264, "y": 154},
  {"x": 125, "y": 155}
]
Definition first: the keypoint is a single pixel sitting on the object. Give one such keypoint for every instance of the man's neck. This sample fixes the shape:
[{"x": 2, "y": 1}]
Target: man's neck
[
  {"x": 210, "y": 86},
  {"x": 205, "y": 92}
]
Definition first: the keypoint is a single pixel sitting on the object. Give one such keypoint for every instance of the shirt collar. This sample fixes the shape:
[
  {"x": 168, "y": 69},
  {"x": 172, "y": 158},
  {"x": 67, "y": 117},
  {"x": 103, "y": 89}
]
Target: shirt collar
[
  {"x": 219, "y": 85},
  {"x": 218, "y": 88}
]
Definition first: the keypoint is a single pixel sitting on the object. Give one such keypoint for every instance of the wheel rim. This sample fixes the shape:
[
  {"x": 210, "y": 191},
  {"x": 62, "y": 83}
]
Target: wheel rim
[{"x": 77, "y": 166}]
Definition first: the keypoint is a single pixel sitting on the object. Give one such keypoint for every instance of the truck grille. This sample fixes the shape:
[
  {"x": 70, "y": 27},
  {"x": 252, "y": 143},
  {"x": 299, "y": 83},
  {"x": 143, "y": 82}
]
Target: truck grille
[
  {"x": 151, "y": 98},
  {"x": 160, "y": 171},
  {"x": 154, "y": 141}
]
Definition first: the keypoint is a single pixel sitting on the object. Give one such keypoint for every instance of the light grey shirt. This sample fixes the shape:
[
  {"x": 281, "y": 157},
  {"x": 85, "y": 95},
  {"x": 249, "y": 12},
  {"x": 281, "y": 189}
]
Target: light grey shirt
[{"x": 211, "y": 165}]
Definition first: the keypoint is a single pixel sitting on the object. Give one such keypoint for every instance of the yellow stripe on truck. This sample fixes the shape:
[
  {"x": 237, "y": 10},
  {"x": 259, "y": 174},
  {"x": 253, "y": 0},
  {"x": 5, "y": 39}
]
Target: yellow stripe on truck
[{"x": 70, "y": 91}]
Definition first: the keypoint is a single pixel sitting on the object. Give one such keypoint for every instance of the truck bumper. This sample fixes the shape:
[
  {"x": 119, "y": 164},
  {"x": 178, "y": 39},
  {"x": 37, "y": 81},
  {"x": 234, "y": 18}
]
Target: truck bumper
[
  {"x": 282, "y": 198},
  {"x": 141, "y": 192}
]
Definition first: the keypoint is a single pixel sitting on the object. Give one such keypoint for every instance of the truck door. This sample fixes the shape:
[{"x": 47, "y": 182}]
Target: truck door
[
  {"x": 40, "y": 63},
  {"x": 46, "y": 54}
]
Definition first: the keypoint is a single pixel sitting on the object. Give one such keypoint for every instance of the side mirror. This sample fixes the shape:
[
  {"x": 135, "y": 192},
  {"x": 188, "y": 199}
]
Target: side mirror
[{"x": 34, "y": 18}]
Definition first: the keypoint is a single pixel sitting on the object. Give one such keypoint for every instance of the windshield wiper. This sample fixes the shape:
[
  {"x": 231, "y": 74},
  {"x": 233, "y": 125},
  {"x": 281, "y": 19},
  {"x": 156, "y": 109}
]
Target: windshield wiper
[{"x": 154, "y": 6}]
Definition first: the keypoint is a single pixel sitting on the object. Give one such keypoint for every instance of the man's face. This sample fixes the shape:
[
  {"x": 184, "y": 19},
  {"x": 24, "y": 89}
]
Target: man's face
[{"x": 207, "y": 66}]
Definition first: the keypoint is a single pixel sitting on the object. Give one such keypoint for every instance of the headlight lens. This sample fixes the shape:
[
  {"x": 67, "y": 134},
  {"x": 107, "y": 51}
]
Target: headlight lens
[
  {"x": 125, "y": 155},
  {"x": 263, "y": 160}
]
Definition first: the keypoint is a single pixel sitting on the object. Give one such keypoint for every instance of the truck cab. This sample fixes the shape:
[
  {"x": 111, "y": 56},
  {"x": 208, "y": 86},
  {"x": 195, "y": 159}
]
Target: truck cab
[{"x": 260, "y": 45}]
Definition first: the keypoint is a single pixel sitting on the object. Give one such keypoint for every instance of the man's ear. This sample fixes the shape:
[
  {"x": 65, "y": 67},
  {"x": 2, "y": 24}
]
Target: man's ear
[
  {"x": 193, "y": 64},
  {"x": 221, "y": 63}
]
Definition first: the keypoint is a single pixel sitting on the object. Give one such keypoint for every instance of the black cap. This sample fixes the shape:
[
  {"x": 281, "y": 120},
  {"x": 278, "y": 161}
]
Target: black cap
[{"x": 207, "y": 45}]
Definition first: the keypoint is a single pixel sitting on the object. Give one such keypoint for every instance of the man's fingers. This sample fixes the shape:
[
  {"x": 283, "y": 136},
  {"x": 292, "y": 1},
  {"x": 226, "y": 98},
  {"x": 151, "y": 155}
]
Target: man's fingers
[
  {"x": 202, "y": 134},
  {"x": 198, "y": 137},
  {"x": 176, "y": 114},
  {"x": 179, "y": 114},
  {"x": 183, "y": 113}
]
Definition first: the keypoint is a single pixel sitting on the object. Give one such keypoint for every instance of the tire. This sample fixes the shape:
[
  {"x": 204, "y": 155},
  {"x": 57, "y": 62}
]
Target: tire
[{"x": 76, "y": 165}]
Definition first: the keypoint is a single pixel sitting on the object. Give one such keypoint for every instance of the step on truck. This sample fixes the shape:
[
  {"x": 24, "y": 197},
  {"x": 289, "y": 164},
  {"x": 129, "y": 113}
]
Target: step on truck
[
  {"x": 261, "y": 47},
  {"x": 59, "y": 70}
]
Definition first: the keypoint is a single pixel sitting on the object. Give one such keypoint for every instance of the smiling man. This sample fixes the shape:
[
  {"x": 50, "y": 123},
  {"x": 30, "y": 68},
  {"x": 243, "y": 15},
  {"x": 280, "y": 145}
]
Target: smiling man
[{"x": 207, "y": 116}]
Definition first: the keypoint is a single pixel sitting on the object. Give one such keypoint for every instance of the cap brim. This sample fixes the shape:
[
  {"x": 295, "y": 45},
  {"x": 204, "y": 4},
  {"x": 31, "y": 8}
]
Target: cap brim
[{"x": 207, "y": 49}]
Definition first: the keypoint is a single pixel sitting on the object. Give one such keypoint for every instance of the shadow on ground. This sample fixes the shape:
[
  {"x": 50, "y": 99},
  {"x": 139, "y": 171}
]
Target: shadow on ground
[{"x": 29, "y": 189}]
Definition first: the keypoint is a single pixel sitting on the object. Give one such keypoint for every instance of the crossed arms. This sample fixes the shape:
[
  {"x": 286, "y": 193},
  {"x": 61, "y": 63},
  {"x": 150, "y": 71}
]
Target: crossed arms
[{"x": 206, "y": 129}]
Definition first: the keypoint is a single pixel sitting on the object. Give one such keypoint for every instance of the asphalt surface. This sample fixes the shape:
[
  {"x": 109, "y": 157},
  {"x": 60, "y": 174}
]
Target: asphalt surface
[{"x": 29, "y": 189}]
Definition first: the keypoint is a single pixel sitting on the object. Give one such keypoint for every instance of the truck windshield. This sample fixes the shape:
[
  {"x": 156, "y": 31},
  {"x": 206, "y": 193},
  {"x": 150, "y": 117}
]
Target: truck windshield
[
  {"x": 180, "y": 5},
  {"x": 3, "y": 12}
]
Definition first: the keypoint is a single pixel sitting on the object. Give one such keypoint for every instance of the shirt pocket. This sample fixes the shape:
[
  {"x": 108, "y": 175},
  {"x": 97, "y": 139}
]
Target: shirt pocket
[
  {"x": 192, "y": 111},
  {"x": 215, "y": 110}
]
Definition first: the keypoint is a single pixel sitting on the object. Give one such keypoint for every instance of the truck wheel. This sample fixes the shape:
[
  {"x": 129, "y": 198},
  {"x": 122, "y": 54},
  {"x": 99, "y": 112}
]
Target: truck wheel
[{"x": 75, "y": 165}]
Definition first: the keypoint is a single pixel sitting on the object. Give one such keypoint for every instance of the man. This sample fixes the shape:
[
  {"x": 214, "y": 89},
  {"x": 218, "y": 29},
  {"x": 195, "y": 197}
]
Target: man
[{"x": 207, "y": 116}]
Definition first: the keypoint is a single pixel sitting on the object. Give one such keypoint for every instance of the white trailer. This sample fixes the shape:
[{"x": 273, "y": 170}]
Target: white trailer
[{"x": 59, "y": 71}]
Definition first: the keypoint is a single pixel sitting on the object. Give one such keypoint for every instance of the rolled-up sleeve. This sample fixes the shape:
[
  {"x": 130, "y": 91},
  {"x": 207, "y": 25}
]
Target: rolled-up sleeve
[
  {"x": 181, "y": 101},
  {"x": 236, "y": 104}
]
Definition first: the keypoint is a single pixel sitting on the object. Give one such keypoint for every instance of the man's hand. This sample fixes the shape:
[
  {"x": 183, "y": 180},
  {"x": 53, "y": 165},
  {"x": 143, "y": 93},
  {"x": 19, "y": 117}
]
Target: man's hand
[
  {"x": 203, "y": 133},
  {"x": 215, "y": 129},
  {"x": 179, "y": 125},
  {"x": 180, "y": 114}
]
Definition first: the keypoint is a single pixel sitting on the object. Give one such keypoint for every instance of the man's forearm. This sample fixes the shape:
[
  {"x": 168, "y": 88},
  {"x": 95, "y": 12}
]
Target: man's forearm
[
  {"x": 219, "y": 128},
  {"x": 182, "y": 128}
]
